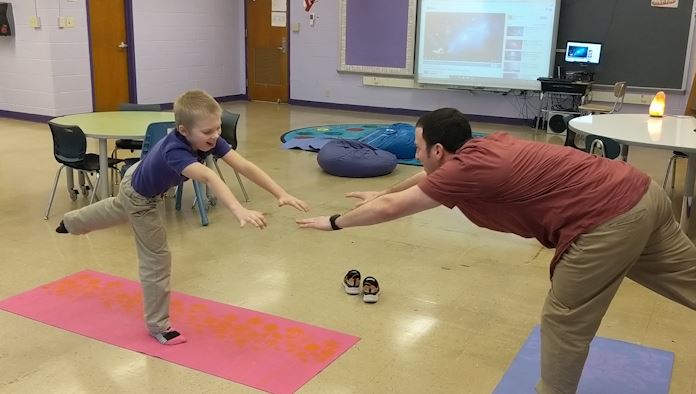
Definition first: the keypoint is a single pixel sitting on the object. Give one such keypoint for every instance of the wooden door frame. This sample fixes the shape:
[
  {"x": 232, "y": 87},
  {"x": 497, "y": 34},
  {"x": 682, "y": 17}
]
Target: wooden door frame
[
  {"x": 246, "y": 50},
  {"x": 130, "y": 51}
]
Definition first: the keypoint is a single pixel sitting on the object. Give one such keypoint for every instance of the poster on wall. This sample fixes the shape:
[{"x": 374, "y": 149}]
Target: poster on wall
[
  {"x": 5, "y": 20},
  {"x": 665, "y": 3}
]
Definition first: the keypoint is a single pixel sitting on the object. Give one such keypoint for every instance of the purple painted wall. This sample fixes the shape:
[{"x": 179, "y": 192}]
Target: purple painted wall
[
  {"x": 313, "y": 77},
  {"x": 383, "y": 26}
]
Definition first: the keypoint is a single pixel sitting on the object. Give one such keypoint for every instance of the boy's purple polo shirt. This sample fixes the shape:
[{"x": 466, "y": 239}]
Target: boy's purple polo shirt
[{"x": 161, "y": 168}]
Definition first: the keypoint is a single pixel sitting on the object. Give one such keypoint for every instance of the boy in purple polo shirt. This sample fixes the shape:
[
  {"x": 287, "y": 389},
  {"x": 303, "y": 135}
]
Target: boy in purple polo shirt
[{"x": 175, "y": 159}]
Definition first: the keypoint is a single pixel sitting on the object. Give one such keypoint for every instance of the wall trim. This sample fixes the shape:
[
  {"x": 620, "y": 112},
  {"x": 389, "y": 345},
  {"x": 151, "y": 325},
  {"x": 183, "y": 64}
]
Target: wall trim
[
  {"x": 25, "y": 116},
  {"x": 405, "y": 111},
  {"x": 221, "y": 99}
]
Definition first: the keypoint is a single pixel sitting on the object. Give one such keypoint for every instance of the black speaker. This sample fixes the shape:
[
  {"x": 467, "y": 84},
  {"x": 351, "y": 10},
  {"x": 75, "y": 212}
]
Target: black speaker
[{"x": 558, "y": 121}]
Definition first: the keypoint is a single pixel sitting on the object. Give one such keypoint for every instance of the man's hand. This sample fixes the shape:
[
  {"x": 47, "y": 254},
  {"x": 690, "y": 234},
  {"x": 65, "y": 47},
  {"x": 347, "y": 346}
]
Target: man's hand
[
  {"x": 319, "y": 223},
  {"x": 364, "y": 197},
  {"x": 294, "y": 202},
  {"x": 254, "y": 218}
]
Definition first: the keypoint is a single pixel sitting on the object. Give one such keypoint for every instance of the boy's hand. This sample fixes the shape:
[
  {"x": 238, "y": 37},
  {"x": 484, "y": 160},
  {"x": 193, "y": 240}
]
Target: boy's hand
[
  {"x": 254, "y": 218},
  {"x": 319, "y": 223},
  {"x": 364, "y": 197},
  {"x": 294, "y": 202}
]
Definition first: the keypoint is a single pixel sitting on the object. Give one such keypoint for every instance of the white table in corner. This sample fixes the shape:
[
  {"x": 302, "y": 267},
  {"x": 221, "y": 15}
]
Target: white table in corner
[{"x": 675, "y": 133}]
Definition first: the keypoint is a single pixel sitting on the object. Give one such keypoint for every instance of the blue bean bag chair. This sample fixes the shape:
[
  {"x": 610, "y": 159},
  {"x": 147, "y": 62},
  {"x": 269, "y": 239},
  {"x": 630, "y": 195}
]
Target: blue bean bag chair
[
  {"x": 354, "y": 159},
  {"x": 398, "y": 138}
]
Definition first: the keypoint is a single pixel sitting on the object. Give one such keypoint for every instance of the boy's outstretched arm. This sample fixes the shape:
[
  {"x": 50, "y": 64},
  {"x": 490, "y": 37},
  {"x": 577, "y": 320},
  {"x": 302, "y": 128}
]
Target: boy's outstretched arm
[
  {"x": 252, "y": 172},
  {"x": 382, "y": 209},
  {"x": 201, "y": 173}
]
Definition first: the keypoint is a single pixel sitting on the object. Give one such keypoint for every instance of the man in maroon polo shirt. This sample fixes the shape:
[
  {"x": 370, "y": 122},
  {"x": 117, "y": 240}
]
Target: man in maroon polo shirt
[{"x": 606, "y": 220}]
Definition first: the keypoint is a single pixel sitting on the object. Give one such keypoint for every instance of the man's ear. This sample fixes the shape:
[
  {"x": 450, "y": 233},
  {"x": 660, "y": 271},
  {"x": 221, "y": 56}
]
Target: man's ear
[
  {"x": 181, "y": 129},
  {"x": 439, "y": 150}
]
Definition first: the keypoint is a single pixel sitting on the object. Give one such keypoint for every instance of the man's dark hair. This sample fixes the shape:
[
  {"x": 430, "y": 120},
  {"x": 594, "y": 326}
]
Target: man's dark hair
[{"x": 445, "y": 126}]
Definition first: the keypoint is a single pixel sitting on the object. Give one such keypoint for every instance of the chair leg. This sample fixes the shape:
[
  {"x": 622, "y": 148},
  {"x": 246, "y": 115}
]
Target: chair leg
[
  {"x": 669, "y": 167},
  {"x": 670, "y": 164},
  {"x": 218, "y": 170},
  {"x": 241, "y": 185},
  {"x": 53, "y": 192},
  {"x": 179, "y": 196},
  {"x": 597, "y": 144},
  {"x": 81, "y": 182},
  {"x": 89, "y": 187},
  {"x": 115, "y": 175},
  {"x": 94, "y": 190},
  {"x": 202, "y": 211},
  {"x": 70, "y": 182}
]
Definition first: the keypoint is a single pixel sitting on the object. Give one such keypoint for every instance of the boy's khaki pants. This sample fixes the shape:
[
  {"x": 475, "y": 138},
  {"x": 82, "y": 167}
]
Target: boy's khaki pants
[
  {"x": 644, "y": 244},
  {"x": 150, "y": 239}
]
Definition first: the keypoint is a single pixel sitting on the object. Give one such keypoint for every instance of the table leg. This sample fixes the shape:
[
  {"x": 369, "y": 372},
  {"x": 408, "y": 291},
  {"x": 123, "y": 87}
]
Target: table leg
[
  {"x": 688, "y": 198},
  {"x": 624, "y": 152},
  {"x": 103, "y": 188}
]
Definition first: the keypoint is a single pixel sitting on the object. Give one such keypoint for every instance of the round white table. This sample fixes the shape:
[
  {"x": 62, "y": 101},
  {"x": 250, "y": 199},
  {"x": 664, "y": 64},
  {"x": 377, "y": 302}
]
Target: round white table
[
  {"x": 113, "y": 125},
  {"x": 677, "y": 133}
]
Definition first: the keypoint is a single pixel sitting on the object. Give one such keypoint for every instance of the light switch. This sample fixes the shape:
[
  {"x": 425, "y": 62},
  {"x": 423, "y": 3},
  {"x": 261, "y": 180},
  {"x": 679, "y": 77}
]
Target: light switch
[
  {"x": 34, "y": 21},
  {"x": 70, "y": 21},
  {"x": 296, "y": 27},
  {"x": 62, "y": 22}
]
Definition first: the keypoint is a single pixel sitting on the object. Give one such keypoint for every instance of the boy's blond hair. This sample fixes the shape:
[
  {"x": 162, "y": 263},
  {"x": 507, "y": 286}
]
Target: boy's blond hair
[{"x": 191, "y": 105}]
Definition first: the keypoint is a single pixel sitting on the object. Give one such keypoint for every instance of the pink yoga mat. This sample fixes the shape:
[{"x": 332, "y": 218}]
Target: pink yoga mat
[{"x": 252, "y": 348}]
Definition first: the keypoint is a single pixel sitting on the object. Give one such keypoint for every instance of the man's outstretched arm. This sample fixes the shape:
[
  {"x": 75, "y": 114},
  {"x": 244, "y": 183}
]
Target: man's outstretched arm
[
  {"x": 382, "y": 209},
  {"x": 365, "y": 197}
]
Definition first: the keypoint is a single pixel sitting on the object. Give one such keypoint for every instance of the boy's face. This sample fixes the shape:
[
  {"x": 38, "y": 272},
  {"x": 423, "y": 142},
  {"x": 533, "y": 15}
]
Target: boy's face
[{"x": 204, "y": 132}]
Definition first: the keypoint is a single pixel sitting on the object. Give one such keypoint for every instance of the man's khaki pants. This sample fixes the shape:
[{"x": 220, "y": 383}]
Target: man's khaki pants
[
  {"x": 150, "y": 239},
  {"x": 644, "y": 244}
]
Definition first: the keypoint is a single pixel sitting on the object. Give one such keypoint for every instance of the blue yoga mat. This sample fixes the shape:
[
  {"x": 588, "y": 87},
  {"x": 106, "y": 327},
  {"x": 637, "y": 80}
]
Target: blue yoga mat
[{"x": 613, "y": 366}]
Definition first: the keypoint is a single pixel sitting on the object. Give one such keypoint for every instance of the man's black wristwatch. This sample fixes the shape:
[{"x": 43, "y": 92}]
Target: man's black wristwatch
[{"x": 332, "y": 220}]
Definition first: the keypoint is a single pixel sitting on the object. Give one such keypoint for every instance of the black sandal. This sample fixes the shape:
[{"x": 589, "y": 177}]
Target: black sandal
[
  {"x": 370, "y": 290},
  {"x": 351, "y": 282}
]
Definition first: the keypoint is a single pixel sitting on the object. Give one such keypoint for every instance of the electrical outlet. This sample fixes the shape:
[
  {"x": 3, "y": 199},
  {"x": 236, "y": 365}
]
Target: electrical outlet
[
  {"x": 34, "y": 21},
  {"x": 70, "y": 21},
  {"x": 645, "y": 98},
  {"x": 62, "y": 22},
  {"x": 327, "y": 93}
]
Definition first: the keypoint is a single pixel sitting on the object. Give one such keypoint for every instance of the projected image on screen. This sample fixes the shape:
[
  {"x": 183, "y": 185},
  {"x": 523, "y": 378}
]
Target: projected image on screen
[
  {"x": 465, "y": 37},
  {"x": 484, "y": 43},
  {"x": 577, "y": 51}
]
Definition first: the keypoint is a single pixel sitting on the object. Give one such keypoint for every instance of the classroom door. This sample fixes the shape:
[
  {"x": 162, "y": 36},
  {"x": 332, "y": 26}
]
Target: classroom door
[
  {"x": 107, "y": 32},
  {"x": 267, "y": 52}
]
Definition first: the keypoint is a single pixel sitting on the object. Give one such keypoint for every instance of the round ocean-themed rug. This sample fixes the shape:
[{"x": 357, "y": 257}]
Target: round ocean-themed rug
[{"x": 325, "y": 132}]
